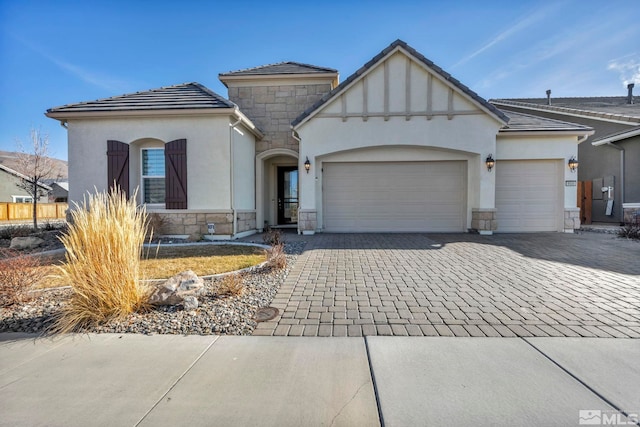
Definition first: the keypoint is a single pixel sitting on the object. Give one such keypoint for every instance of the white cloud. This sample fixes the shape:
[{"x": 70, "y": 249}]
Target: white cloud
[
  {"x": 508, "y": 33},
  {"x": 563, "y": 59},
  {"x": 627, "y": 67},
  {"x": 97, "y": 79}
]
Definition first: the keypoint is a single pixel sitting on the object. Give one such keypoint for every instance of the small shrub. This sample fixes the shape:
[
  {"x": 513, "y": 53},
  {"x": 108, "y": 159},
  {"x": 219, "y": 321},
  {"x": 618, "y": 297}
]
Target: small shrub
[
  {"x": 277, "y": 257},
  {"x": 102, "y": 264},
  {"x": 11, "y": 231},
  {"x": 272, "y": 237},
  {"x": 630, "y": 231},
  {"x": 49, "y": 226},
  {"x": 232, "y": 284},
  {"x": 18, "y": 274}
]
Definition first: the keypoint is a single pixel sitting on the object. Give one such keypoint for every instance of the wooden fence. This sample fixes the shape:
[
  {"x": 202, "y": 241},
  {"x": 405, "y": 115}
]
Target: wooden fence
[
  {"x": 24, "y": 211},
  {"x": 585, "y": 201}
]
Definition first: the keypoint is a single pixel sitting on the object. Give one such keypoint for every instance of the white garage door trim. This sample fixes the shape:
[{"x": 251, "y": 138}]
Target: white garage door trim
[
  {"x": 394, "y": 196},
  {"x": 529, "y": 195}
]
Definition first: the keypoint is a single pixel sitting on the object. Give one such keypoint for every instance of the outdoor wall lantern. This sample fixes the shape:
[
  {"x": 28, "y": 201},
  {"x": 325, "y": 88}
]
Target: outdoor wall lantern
[
  {"x": 573, "y": 164},
  {"x": 490, "y": 162},
  {"x": 307, "y": 165}
]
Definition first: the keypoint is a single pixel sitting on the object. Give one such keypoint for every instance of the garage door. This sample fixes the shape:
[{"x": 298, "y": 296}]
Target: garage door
[
  {"x": 394, "y": 197},
  {"x": 529, "y": 195}
]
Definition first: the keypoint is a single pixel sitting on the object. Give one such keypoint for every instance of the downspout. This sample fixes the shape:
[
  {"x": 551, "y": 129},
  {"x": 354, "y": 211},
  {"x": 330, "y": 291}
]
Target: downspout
[
  {"x": 621, "y": 178},
  {"x": 63, "y": 123},
  {"x": 293, "y": 134},
  {"x": 233, "y": 190}
]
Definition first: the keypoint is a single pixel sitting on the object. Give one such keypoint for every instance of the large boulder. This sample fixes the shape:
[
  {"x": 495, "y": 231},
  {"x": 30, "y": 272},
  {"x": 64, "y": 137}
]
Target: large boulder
[
  {"x": 31, "y": 242},
  {"x": 183, "y": 286}
]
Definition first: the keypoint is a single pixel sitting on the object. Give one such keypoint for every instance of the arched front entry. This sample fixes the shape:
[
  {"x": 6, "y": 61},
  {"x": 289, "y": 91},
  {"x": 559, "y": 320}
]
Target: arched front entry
[{"x": 277, "y": 188}]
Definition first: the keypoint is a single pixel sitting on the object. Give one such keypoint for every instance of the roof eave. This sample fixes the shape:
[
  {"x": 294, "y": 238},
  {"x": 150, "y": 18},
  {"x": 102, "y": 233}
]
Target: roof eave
[
  {"x": 575, "y": 112},
  {"x": 299, "y": 76},
  {"x": 226, "y": 111},
  {"x": 67, "y": 115},
  {"x": 616, "y": 138},
  {"x": 248, "y": 124},
  {"x": 546, "y": 132},
  {"x": 22, "y": 176}
]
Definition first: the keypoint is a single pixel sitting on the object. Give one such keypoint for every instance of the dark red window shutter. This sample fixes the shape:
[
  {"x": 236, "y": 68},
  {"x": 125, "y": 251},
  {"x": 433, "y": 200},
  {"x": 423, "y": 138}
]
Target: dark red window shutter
[
  {"x": 175, "y": 158},
  {"x": 118, "y": 165}
]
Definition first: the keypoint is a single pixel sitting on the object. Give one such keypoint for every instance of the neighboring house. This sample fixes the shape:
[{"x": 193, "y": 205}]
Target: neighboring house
[
  {"x": 59, "y": 192},
  {"x": 399, "y": 146},
  {"x": 9, "y": 190},
  {"x": 611, "y": 158}
]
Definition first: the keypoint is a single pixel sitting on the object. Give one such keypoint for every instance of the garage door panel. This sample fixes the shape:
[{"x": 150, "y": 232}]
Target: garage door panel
[
  {"x": 398, "y": 196},
  {"x": 528, "y": 195}
]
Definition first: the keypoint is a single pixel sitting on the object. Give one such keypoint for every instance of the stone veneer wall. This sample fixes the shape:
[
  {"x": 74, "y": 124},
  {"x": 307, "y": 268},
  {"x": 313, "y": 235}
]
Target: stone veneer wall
[
  {"x": 273, "y": 108},
  {"x": 484, "y": 220},
  {"x": 571, "y": 219},
  {"x": 246, "y": 221},
  {"x": 195, "y": 224},
  {"x": 307, "y": 221}
]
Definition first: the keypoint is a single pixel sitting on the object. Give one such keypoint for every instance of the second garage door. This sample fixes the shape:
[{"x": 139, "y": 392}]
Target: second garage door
[
  {"x": 528, "y": 195},
  {"x": 394, "y": 196}
]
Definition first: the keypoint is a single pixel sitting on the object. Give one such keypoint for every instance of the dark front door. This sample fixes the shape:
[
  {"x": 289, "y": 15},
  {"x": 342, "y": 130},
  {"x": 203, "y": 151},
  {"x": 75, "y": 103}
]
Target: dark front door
[{"x": 287, "y": 195}]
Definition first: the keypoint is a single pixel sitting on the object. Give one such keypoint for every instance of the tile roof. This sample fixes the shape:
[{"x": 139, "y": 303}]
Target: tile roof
[
  {"x": 289, "y": 67},
  {"x": 618, "y": 136},
  {"x": 399, "y": 43},
  {"x": 609, "y": 107},
  {"x": 527, "y": 122},
  {"x": 178, "y": 97}
]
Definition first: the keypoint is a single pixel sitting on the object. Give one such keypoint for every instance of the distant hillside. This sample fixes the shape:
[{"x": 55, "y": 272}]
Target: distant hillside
[{"x": 10, "y": 160}]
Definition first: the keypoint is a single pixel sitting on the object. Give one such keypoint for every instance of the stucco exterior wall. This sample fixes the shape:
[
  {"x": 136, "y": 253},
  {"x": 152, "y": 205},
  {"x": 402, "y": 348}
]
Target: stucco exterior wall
[
  {"x": 208, "y": 154},
  {"x": 398, "y": 111},
  {"x": 243, "y": 169},
  {"x": 469, "y": 138}
]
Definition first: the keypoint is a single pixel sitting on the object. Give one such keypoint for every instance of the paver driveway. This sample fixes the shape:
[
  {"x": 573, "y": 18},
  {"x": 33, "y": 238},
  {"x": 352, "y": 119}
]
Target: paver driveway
[{"x": 548, "y": 284}]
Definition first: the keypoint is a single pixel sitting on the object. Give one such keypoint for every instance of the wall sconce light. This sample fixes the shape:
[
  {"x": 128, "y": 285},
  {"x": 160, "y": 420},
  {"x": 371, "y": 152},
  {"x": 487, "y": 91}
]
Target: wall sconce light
[
  {"x": 307, "y": 165},
  {"x": 490, "y": 162},
  {"x": 573, "y": 164}
]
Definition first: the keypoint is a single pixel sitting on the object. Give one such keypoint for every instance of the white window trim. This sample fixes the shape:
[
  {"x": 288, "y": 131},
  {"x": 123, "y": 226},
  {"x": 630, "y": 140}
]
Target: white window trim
[
  {"x": 15, "y": 198},
  {"x": 143, "y": 176}
]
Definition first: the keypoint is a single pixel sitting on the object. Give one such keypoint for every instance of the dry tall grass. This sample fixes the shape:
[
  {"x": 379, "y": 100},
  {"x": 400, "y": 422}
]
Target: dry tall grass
[
  {"x": 231, "y": 284},
  {"x": 104, "y": 244},
  {"x": 277, "y": 257}
]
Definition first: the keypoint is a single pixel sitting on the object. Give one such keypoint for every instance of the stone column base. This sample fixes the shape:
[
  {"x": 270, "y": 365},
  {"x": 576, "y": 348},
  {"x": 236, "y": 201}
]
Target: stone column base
[
  {"x": 307, "y": 221},
  {"x": 246, "y": 221},
  {"x": 571, "y": 219},
  {"x": 484, "y": 220}
]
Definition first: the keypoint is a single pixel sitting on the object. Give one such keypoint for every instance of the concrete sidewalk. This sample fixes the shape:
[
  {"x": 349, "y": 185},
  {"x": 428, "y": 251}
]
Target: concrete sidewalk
[{"x": 162, "y": 380}]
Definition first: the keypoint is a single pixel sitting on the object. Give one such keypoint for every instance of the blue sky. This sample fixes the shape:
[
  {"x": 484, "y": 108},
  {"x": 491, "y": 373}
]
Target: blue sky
[{"x": 59, "y": 52}]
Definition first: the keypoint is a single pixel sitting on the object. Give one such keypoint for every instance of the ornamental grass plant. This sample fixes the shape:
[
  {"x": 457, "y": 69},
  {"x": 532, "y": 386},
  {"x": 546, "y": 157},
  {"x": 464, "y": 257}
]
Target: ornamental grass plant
[{"x": 102, "y": 263}]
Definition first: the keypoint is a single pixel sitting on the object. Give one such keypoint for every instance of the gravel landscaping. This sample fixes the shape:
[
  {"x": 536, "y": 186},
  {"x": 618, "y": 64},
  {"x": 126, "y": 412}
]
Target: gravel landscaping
[{"x": 219, "y": 315}]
